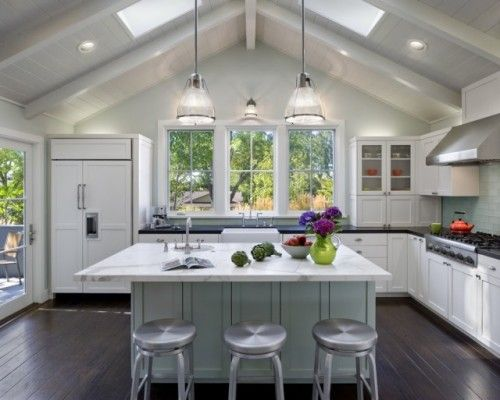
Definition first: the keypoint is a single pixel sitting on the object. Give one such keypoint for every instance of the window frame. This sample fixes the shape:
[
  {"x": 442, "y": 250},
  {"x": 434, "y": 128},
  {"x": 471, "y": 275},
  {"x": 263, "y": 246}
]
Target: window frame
[{"x": 220, "y": 162}]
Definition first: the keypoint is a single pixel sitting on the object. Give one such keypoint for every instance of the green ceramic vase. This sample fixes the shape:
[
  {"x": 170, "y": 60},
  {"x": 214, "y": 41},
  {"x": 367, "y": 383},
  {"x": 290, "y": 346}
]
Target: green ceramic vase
[{"x": 323, "y": 250}]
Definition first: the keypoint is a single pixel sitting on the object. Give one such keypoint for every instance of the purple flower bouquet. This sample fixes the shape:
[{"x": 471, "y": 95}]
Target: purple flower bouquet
[{"x": 323, "y": 224}]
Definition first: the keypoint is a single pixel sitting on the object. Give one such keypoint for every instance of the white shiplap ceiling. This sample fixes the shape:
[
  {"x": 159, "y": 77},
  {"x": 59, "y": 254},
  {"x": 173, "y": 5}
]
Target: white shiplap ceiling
[{"x": 46, "y": 73}]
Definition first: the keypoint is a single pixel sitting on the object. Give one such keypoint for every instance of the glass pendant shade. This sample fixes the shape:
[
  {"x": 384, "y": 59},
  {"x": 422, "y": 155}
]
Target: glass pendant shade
[
  {"x": 195, "y": 106},
  {"x": 251, "y": 109},
  {"x": 304, "y": 106}
]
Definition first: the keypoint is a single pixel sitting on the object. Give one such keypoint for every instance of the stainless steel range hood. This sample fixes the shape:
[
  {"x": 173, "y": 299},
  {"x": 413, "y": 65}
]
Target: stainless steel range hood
[{"x": 472, "y": 143}]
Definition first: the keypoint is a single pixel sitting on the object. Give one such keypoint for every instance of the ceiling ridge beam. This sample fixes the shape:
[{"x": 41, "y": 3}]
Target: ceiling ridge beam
[
  {"x": 250, "y": 23},
  {"x": 22, "y": 44},
  {"x": 132, "y": 59},
  {"x": 444, "y": 26},
  {"x": 362, "y": 55}
]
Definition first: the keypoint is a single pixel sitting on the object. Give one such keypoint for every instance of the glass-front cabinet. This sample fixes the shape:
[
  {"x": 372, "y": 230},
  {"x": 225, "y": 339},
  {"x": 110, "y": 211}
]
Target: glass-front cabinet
[{"x": 384, "y": 167}]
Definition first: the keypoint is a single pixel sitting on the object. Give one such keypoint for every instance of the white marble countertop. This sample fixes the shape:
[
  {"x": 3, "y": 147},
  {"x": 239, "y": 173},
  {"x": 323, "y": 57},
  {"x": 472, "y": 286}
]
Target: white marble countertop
[{"x": 142, "y": 263}]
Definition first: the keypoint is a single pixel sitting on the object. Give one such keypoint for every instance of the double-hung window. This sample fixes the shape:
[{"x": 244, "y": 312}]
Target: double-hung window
[
  {"x": 311, "y": 169},
  {"x": 190, "y": 170},
  {"x": 251, "y": 175}
]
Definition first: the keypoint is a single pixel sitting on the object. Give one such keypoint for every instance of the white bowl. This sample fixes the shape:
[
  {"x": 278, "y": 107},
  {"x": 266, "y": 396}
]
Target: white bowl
[{"x": 296, "y": 251}]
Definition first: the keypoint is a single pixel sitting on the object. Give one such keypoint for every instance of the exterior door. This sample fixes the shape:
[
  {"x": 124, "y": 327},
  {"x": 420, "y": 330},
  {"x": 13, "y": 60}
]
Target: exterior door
[
  {"x": 16, "y": 191},
  {"x": 66, "y": 228},
  {"x": 107, "y": 216}
]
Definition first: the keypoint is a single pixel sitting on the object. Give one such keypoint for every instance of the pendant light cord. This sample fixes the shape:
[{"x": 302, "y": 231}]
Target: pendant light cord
[
  {"x": 196, "y": 36},
  {"x": 303, "y": 41}
]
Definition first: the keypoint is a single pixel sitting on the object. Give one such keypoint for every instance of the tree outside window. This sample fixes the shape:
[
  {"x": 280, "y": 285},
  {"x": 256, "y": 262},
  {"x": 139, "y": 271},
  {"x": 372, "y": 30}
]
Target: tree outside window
[
  {"x": 190, "y": 170},
  {"x": 251, "y": 171},
  {"x": 11, "y": 187},
  {"x": 311, "y": 169}
]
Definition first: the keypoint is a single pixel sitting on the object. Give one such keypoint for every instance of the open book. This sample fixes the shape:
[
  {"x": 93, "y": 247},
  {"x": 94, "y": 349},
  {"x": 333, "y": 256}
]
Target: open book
[{"x": 187, "y": 263}]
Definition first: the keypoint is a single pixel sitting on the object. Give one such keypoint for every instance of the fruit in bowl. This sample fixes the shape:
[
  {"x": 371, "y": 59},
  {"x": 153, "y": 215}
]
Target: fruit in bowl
[{"x": 297, "y": 246}]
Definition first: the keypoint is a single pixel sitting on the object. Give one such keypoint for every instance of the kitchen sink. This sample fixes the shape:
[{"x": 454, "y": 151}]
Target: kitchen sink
[{"x": 250, "y": 235}]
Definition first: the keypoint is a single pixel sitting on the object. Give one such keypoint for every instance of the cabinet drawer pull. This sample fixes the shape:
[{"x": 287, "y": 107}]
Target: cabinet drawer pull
[
  {"x": 359, "y": 252},
  {"x": 434, "y": 193},
  {"x": 492, "y": 268},
  {"x": 358, "y": 240}
]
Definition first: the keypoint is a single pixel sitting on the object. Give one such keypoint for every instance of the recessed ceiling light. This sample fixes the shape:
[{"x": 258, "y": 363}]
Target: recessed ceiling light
[
  {"x": 86, "y": 46},
  {"x": 418, "y": 45}
]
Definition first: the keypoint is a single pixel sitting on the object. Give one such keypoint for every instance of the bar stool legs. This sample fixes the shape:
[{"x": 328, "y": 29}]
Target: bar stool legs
[
  {"x": 278, "y": 378},
  {"x": 323, "y": 391},
  {"x": 233, "y": 377}
]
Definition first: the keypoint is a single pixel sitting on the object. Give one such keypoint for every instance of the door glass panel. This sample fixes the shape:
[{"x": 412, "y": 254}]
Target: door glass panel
[
  {"x": 12, "y": 225},
  {"x": 400, "y": 167},
  {"x": 371, "y": 168}
]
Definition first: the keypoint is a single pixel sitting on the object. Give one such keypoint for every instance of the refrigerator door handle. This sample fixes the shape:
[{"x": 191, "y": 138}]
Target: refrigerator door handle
[
  {"x": 78, "y": 196},
  {"x": 84, "y": 186}
]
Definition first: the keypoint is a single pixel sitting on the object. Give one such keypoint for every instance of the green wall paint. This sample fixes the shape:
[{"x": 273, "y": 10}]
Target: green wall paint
[{"x": 483, "y": 211}]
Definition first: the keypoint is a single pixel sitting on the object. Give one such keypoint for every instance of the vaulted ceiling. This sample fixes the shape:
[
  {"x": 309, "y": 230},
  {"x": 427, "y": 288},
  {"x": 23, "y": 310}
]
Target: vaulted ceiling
[{"x": 42, "y": 70}]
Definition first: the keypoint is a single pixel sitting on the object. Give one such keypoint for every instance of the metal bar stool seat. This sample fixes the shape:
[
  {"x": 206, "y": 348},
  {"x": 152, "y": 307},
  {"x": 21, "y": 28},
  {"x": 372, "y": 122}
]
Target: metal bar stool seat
[
  {"x": 159, "y": 338},
  {"x": 344, "y": 337},
  {"x": 254, "y": 340}
]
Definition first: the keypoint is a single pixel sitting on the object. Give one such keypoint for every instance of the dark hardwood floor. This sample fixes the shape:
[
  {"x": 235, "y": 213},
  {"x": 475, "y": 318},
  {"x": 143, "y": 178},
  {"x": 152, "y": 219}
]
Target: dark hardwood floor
[{"x": 78, "y": 348}]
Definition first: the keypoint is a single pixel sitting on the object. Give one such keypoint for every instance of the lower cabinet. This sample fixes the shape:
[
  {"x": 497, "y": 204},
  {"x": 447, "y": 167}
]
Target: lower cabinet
[
  {"x": 489, "y": 317},
  {"x": 397, "y": 262},
  {"x": 438, "y": 273},
  {"x": 464, "y": 297}
]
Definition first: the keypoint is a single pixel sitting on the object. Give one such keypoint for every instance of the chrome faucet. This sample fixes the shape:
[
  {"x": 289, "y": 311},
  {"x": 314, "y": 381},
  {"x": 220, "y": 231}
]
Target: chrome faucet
[{"x": 242, "y": 218}]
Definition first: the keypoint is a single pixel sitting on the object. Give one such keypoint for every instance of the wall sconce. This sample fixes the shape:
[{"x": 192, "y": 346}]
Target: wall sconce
[{"x": 251, "y": 109}]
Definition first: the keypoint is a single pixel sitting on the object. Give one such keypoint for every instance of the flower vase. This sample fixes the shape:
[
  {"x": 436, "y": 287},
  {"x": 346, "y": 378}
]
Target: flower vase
[{"x": 323, "y": 251}]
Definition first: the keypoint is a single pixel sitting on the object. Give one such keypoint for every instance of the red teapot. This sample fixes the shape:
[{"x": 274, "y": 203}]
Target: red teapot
[{"x": 459, "y": 225}]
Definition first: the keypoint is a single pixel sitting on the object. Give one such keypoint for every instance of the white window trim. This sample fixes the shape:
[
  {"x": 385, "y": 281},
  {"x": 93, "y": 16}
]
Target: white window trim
[{"x": 281, "y": 162}]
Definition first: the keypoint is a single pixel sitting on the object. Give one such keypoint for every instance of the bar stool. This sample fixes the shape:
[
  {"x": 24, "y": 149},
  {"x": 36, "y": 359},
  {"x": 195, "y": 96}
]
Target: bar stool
[
  {"x": 254, "y": 340},
  {"x": 344, "y": 337},
  {"x": 159, "y": 338}
]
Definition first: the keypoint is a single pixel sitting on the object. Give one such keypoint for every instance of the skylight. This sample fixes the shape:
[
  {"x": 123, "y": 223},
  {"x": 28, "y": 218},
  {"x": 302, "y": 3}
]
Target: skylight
[
  {"x": 146, "y": 15},
  {"x": 355, "y": 15}
]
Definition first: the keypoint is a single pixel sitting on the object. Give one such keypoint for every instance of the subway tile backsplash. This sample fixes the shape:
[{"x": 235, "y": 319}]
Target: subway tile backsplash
[{"x": 483, "y": 211}]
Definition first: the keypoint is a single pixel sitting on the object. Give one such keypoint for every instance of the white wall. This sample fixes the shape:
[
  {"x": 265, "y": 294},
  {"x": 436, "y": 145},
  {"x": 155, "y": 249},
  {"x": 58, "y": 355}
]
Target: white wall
[
  {"x": 264, "y": 74},
  {"x": 11, "y": 116}
]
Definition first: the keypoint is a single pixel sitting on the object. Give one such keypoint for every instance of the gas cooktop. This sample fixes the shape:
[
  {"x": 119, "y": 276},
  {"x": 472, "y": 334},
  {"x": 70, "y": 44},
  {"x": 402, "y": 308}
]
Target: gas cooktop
[{"x": 462, "y": 248}]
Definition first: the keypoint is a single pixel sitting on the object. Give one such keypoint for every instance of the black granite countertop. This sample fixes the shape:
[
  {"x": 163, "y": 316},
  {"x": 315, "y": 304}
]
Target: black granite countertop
[{"x": 290, "y": 229}]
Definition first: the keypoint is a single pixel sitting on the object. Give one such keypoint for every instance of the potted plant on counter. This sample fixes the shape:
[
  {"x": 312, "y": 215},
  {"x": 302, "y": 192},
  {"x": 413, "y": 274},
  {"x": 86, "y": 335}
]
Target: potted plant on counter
[{"x": 323, "y": 225}]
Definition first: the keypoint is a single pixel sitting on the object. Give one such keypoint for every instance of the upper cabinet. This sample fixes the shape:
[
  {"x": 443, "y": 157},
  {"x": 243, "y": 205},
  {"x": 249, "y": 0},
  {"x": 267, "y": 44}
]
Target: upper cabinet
[
  {"x": 443, "y": 180},
  {"x": 382, "y": 167},
  {"x": 480, "y": 99}
]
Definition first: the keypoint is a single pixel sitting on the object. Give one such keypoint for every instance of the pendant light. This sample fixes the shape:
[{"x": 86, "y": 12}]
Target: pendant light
[
  {"x": 196, "y": 105},
  {"x": 304, "y": 106}
]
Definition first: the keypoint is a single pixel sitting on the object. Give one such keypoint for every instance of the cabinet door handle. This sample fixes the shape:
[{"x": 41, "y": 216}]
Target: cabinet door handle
[
  {"x": 359, "y": 251},
  {"x": 78, "y": 194},
  {"x": 435, "y": 193},
  {"x": 358, "y": 240},
  {"x": 385, "y": 193}
]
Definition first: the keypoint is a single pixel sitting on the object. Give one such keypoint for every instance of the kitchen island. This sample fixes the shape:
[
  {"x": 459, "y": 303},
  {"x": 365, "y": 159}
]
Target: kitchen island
[{"x": 294, "y": 293}]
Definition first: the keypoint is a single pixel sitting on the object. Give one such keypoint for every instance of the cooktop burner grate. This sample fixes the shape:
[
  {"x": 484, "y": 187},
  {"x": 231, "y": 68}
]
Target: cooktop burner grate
[{"x": 480, "y": 240}]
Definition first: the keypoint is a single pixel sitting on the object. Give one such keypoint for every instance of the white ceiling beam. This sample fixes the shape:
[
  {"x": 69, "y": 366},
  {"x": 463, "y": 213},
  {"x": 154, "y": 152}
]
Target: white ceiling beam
[
  {"x": 362, "y": 55},
  {"x": 443, "y": 25},
  {"x": 132, "y": 59},
  {"x": 22, "y": 43},
  {"x": 251, "y": 22}
]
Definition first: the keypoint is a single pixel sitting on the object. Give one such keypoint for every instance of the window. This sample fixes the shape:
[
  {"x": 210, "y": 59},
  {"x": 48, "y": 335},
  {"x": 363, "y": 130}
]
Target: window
[
  {"x": 251, "y": 180},
  {"x": 311, "y": 169},
  {"x": 190, "y": 166}
]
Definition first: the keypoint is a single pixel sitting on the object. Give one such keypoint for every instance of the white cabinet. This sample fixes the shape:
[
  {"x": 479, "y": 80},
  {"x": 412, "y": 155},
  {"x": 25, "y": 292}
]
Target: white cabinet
[
  {"x": 428, "y": 210},
  {"x": 401, "y": 210},
  {"x": 422, "y": 272},
  {"x": 438, "y": 278},
  {"x": 489, "y": 324},
  {"x": 383, "y": 166},
  {"x": 415, "y": 245},
  {"x": 370, "y": 210},
  {"x": 443, "y": 180},
  {"x": 463, "y": 297},
  {"x": 397, "y": 262},
  {"x": 480, "y": 99}
]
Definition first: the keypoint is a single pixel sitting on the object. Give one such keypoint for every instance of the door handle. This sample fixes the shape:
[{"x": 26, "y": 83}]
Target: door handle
[
  {"x": 84, "y": 186},
  {"x": 78, "y": 196}
]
